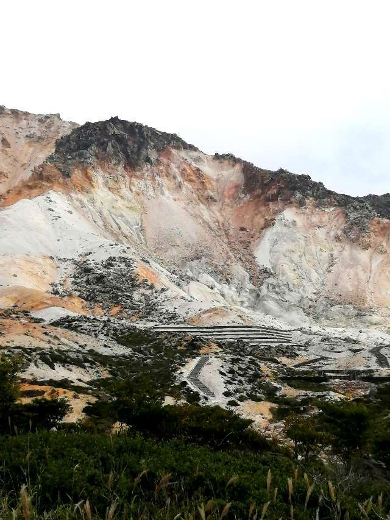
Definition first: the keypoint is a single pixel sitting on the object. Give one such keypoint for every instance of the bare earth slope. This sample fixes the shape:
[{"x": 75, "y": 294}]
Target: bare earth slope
[
  {"x": 25, "y": 141},
  {"x": 123, "y": 221}
]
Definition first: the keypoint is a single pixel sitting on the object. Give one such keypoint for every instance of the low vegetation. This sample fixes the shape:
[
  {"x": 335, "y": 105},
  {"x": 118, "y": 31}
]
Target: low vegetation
[
  {"x": 35, "y": 415},
  {"x": 186, "y": 461}
]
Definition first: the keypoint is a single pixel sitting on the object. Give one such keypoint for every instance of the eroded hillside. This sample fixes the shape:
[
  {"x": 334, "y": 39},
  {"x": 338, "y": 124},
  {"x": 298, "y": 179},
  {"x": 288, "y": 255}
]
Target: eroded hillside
[
  {"x": 125, "y": 223},
  {"x": 25, "y": 142}
]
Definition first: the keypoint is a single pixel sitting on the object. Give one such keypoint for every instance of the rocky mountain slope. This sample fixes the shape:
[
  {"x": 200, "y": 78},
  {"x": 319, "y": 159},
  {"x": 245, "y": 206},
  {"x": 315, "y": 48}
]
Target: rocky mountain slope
[
  {"x": 127, "y": 225},
  {"x": 25, "y": 142}
]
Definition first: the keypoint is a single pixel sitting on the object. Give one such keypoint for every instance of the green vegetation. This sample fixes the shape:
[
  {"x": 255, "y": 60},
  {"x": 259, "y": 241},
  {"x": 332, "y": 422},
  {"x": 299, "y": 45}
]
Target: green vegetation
[
  {"x": 348, "y": 425},
  {"x": 9, "y": 388},
  {"x": 308, "y": 440},
  {"x": 138, "y": 404},
  {"x": 188, "y": 462},
  {"x": 144, "y": 478},
  {"x": 35, "y": 415},
  {"x": 345, "y": 428},
  {"x": 311, "y": 384},
  {"x": 353, "y": 432}
]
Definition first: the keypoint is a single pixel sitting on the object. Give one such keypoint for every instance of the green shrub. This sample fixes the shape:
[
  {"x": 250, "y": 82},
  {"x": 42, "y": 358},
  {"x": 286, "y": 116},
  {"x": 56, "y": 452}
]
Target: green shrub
[
  {"x": 348, "y": 426},
  {"x": 14, "y": 416},
  {"x": 39, "y": 414},
  {"x": 204, "y": 425},
  {"x": 308, "y": 439},
  {"x": 159, "y": 480},
  {"x": 9, "y": 383}
]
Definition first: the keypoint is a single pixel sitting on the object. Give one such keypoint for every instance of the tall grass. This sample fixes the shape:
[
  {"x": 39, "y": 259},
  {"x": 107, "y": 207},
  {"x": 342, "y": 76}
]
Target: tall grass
[
  {"x": 191, "y": 510},
  {"x": 124, "y": 477}
]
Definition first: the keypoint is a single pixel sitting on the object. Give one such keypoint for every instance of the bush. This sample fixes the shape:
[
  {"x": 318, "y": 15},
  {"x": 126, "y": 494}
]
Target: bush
[
  {"x": 204, "y": 425},
  {"x": 9, "y": 385},
  {"x": 39, "y": 414},
  {"x": 159, "y": 480},
  {"x": 14, "y": 416},
  {"x": 347, "y": 425},
  {"x": 308, "y": 439}
]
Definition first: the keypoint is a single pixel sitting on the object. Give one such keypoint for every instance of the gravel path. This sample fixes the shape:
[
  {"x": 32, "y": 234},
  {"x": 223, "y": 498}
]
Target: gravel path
[
  {"x": 383, "y": 362},
  {"x": 194, "y": 376}
]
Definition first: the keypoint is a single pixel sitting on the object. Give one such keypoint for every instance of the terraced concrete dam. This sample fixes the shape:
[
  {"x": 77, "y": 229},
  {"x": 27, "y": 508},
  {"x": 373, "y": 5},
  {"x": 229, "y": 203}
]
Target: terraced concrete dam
[{"x": 253, "y": 335}]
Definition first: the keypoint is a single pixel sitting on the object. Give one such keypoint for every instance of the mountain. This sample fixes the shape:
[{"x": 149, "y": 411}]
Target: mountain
[{"x": 113, "y": 227}]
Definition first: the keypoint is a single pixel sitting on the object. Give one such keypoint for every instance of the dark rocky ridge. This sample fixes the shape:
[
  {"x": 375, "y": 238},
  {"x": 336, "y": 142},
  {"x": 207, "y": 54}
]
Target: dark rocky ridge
[
  {"x": 129, "y": 144},
  {"x": 118, "y": 142},
  {"x": 287, "y": 186},
  {"x": 381, "y": 203},
  {"x": 124, "y": 143}
]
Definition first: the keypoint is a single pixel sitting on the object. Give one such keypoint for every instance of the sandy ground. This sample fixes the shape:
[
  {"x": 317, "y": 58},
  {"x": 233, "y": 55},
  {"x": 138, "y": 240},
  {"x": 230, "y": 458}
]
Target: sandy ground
[
  {"x": 76, "y": 400},
  {"x": 260, "y": 413}
]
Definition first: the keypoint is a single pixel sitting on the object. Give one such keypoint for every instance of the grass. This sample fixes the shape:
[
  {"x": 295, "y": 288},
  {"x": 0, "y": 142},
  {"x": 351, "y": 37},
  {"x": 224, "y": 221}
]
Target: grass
[{"x": 66, "y": 475}]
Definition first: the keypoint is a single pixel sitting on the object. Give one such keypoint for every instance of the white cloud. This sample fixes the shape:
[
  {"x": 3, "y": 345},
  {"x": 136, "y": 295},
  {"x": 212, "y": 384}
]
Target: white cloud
[{"x": 303, "y": 85}]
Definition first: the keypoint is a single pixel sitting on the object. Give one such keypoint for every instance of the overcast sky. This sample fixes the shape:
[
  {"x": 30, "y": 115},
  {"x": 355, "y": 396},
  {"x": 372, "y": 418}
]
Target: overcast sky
[{"x": 302, "y": 85}]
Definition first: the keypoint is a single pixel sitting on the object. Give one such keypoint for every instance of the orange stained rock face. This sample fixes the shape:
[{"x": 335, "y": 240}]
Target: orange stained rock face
[
  {"x": 34, "y": 300},
  {"x": 22, "y": 327},
  {"x": 260, "y": 413},
  {"x": 49, "y": 392},
  {"x": 146, "y": 273},
  {"x": 46, "y": 178},
  {"x": 115, "y": 311},
  {"x": 13, "y": 326},
  {"x": 28, "y": 271}
]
